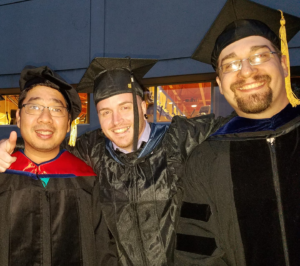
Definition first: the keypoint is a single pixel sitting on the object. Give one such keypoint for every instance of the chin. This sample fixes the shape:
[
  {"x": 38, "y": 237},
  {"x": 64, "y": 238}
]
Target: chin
[
  {"x": 43, "y": 147},
  {"x": 124, "y": 145}
]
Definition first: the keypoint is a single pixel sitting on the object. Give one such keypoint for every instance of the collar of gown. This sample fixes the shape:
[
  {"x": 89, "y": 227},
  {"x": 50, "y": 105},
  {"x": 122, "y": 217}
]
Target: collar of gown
[{"x": 241, "y": 124}]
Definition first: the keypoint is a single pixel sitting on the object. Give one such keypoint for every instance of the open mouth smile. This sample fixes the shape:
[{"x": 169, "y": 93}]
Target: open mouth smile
[
  {"x": 121, "y": 130},
  {"x": 251, "y": 86},
  {"x": 44, "y": 132}
]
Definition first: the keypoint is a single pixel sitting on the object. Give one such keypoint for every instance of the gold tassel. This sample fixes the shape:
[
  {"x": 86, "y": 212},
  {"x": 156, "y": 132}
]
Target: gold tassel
[
  {"x": 294, "y": 101},
  {"x": 73, "y": 133}
]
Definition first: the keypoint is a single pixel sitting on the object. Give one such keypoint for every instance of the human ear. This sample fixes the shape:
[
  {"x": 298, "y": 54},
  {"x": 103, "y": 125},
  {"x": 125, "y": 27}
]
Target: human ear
[
  {"x": 144, "y": 108},
  {"x": 219, "y": 84},
  {"x": 69, "y": 124},
  {"x": 18, "y": 117}
]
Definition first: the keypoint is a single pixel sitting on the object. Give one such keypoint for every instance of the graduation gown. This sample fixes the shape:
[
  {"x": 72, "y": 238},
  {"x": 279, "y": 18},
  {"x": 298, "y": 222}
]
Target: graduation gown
[
  {"x": 139, "y": 190},
  {"x": 51, "y": 214},
  {"x": 241, "y": 203}
]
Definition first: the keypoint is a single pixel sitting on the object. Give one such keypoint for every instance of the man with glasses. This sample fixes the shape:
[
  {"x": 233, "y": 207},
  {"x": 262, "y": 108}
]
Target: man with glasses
[
  {"x": 50, "y": 208},
  {"x": 244, "y": 179}
]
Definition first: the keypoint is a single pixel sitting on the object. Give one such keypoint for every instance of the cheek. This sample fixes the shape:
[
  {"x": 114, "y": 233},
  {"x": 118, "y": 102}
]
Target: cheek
[
  {"x": 225, "y": 86},
  {"x": 128, "y": 115},
  {"x": 104, "y": 124}
]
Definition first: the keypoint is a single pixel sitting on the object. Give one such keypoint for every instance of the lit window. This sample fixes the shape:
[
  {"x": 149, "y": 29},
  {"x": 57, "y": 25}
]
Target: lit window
[
  {"x": 188, "y": 100},
  {"x": 8, "y": 109},
  {"x": 83, "y": 116}
]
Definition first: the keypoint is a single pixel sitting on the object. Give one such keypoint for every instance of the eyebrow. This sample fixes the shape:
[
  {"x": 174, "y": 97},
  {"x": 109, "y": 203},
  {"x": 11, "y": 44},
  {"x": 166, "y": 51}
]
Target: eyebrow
[
  {"x": 52, "y": 99},
  {"x": 231, "y": 55},
  {"x": 257, "y": 47},
  {"x": 120, "y": 104}
]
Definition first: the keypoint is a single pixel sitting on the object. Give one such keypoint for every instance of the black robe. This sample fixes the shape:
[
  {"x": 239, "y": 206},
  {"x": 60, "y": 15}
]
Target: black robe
[
  {"x": 241, "y": 203},
  {"x": 139, "y": 190},
  {"x": 55, "y": 224}
]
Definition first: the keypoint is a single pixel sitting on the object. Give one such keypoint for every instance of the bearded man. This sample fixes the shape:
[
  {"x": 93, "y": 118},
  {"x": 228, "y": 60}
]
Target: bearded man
[{"x": 242, "y": 202}]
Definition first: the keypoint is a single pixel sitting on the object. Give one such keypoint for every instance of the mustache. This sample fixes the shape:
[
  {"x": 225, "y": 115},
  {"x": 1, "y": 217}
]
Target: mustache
[{"x": 257, "y": 78}]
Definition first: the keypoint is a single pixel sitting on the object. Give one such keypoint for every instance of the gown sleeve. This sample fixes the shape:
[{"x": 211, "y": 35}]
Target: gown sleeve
[
  {"x": 199, "y": 237},
  {"x": 186, "y": 134}
]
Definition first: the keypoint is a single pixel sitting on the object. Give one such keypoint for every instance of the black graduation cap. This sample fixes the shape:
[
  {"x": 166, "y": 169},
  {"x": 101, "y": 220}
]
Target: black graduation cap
[
  {"x": 243, "y": 9},
  {"x": 31, "y": 75},
  {"x": 106, "y": 77}
]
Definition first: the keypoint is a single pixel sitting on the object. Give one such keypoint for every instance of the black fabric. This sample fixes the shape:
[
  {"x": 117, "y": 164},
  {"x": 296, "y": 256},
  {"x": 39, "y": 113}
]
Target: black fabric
[
  {"x": 25, "y": 245},
  {"x": 240, "y": 29},
  {"x": 57, "y": 226},
  {"x": 140, "y": 191},
  {"x": 288, "y": 158},
  {"x": 31, "y": 75},
  {"x": 243, "y": 9},
  {"x": 255, "y": 201},
  {"x": 195, "y": 211},
  {"x": 251, "y": 183},
  {"x": 65, "y": 220},
  {"x": 196, "y": 244}
]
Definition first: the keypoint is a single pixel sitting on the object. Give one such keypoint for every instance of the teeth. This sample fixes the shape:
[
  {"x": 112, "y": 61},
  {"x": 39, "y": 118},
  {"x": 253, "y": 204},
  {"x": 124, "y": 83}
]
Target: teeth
[
  {"x": 44, "y": 132},
  {"x": 251, "y": 86},
  {"x": 121, "y": 130}
]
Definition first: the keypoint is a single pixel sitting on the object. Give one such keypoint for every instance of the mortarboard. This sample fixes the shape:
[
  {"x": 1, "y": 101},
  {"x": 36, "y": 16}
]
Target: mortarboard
[
  {"x": 243, "y": 9},
  {"x": 31, "y": 75},
  {"x": 106, "y": 77}
]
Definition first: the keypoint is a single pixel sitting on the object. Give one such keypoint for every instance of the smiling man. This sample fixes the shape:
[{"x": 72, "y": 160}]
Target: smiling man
[
  {"x": 253, "y": 92},
  {"x": 244, "y": 179},
  {"x": 139, "y": 184},
  {"x": 50, "y": 211}
]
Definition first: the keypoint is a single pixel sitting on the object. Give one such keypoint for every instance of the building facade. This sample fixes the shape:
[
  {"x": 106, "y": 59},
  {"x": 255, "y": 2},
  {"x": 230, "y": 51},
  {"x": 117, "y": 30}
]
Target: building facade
[{"x": 66, "y": 35}]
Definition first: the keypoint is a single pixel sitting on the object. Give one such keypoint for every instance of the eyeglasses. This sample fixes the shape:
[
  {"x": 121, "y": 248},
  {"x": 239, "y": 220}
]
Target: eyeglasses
[
  {"x": 37, "y": 109},
  {"x": 254, "y": 60}
]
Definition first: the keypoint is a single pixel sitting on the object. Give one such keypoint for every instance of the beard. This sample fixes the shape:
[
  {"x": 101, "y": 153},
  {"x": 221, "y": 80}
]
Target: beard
[{"x": 254, "y": 103}]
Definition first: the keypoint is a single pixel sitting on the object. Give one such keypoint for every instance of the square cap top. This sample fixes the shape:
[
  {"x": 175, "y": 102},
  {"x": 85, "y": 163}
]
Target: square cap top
[{"x": 234, "y": 10}]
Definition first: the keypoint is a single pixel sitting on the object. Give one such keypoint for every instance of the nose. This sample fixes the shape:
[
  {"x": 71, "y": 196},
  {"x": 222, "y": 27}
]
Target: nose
[
  {"x": 117, "y": 118},
  {"x": 247, "y": 69},
  {"x": 45, "y": 116}
]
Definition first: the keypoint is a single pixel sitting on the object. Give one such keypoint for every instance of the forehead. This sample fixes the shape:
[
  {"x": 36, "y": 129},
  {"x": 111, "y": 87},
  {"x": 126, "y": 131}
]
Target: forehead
[
  {"x": 44, "y": 93},
  {"x": 243, "y": 46},
  {"x": 115, "y": 100}
]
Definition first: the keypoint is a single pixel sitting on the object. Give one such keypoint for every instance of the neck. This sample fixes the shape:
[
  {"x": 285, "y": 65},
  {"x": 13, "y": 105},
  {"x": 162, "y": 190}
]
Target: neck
[{"x": 40, "y": 156}]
